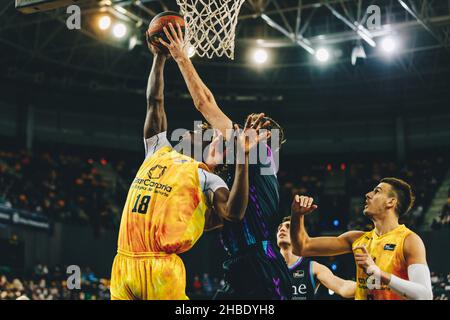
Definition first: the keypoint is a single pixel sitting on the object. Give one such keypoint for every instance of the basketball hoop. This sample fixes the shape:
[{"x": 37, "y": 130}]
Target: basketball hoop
[{"x": 211, "y": 25}]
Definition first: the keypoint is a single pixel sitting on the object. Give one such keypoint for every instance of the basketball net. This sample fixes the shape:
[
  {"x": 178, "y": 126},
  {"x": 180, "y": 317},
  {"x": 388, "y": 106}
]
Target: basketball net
[{"x": 211, "y": 25}]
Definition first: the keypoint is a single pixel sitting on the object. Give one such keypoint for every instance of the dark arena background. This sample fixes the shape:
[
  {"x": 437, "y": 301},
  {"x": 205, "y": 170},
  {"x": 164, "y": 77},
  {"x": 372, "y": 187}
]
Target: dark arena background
[{"x": 72, "y": 109}]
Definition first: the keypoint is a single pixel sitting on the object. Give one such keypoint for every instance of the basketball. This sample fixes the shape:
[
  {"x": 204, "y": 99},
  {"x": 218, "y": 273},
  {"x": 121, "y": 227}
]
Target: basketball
[{"x": 155, "y": 28}]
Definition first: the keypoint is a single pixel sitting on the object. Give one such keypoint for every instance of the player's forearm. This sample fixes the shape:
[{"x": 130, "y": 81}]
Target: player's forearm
[
  {"x": 155, "y": 120},
  {"x": 347, "y": 289},
  {"x": 418, "y": 287},
  {"x": 204, "y": 99},
  {"x": 410, "y": 290},
  {"x": 239, "y": 194},
  {"x": 299, "y": 236},
  {"x": 344, "y": 288},
  {"x": 200, "y": 94},
  {"x": 304, "y": 245},
  {"x": 155, "y": 84}
]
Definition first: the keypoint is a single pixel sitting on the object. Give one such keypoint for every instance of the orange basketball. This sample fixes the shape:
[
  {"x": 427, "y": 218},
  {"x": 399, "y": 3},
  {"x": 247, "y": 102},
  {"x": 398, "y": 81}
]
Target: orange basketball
[{"x": 155, "y": 28}]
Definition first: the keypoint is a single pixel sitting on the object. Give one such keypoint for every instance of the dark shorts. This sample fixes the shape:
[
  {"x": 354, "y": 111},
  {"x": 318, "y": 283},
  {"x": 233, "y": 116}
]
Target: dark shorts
[{"x": 259, "y": 273}]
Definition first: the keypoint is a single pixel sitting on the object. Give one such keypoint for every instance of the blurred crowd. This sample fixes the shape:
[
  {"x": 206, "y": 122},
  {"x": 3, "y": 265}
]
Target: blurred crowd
[
  {"x": 91, "y": 188},
  {"x": 62, "y": 187},
  {"x": 203, "y": 287},
  {"x": 441, "y": 286},
  {"x": 443, "y": 221},
  {"x": 45, "y": 283}
]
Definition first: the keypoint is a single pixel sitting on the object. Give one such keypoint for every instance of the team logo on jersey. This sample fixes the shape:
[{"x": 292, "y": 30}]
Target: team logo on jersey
[
  {"x": 156, "y": 172},
  {"x": 180, "y": 161},
  {"x": 389, "y": 246},
  {"x": 299, "y": 274}
]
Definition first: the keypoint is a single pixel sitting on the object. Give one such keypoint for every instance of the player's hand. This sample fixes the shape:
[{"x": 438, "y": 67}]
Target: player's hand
[
  {"x": 154, "y": 49},
  {"x": 365, "y": 261},
  {"x": 252, "y": 134},
  {"x": 262, "y": 122},
  {"x": 302, "y": 205},
  {"x": 215, "y": 153},
  {"x": 176, "y": 46}
]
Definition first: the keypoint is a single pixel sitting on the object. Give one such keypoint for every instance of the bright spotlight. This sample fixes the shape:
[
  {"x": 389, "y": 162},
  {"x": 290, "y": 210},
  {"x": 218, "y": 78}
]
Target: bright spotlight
[
  {"x": 388, "y": 44},
  {"x": 260, "y": 56},
  {"x": 104, "y": 22},
  {"x": 191, "y": 51},
  {"x": 322, "y": 55},
  {"x": 119, "y": 30}
]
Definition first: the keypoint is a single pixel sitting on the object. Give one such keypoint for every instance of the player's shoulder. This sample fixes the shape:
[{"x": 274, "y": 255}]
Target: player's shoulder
[
  {"x": 162, "y": 134},
  {"x": 414, "y": 250},
  {"x": 209, "y": 174},
  {"x": 211, "y": 181},
  {"x": 353, "y": 235},
  {"x": 156, "y": 142},
  {"x": 316, "y": 266},
  {"x": 412, "y": 239}
]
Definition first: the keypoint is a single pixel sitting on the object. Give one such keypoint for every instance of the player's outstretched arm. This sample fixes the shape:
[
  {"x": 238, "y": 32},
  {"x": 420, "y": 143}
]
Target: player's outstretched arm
[
  {"x": 203, "y": 98},
  {"x": 344, "y": 288},
  {"x": 418, "y": 287},
  {"x": 155, "y": 120},
  {"x": 304, "y": 245},
  {"x": 231, "y": 205}
]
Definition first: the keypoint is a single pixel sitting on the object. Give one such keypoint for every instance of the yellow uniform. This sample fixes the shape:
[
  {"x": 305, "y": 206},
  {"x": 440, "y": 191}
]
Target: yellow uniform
[
  {"x": 164, "y": 215},
  {"x": 387, "y": 253}
]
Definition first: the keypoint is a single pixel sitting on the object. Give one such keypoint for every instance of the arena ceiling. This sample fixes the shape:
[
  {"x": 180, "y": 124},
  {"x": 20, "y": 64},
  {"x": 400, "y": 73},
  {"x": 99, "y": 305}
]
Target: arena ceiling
[{"x": 38, "y": 49}]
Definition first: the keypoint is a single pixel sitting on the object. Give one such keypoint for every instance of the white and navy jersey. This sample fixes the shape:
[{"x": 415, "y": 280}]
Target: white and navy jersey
[{"x": 304, "y": 285}]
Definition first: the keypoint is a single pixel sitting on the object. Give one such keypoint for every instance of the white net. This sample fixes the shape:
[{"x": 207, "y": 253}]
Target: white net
[{"x": 211, "y": 25}]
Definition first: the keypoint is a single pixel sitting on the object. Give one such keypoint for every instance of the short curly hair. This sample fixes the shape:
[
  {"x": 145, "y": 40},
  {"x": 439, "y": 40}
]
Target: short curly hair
[{"x": 273, "y": 125}]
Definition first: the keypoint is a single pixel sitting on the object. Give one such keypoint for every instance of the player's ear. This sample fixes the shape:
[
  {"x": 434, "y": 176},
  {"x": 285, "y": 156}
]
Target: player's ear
[{"x": 391, "y": 202}]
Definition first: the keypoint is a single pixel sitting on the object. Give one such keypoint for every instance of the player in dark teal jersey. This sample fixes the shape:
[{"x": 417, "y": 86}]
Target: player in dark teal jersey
[{"x": 255, "y": 268}]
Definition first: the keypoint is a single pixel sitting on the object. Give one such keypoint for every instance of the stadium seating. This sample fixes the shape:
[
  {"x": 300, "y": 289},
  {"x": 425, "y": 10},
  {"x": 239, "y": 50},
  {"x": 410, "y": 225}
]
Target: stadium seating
[{"x": 91, "y": 190}]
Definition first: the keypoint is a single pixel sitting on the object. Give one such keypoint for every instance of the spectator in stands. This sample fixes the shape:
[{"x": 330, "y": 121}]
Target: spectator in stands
[
  {"x": 443, "y": 221},
  {"x": 40, "y": 271},
  {"x": 216, "y": 284},
  {"x": 197, "y": 285},
  {"x": 92, "y": 288},
  {"x": 207, "y": 285},
  {"x": 441, "y": 286}
]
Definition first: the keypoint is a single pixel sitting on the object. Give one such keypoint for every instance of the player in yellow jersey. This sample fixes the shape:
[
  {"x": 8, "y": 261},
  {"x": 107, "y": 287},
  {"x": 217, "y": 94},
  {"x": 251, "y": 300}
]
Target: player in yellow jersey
[
  {"x": 391, "y": 259},
  {"x": 169, "y": 201}
]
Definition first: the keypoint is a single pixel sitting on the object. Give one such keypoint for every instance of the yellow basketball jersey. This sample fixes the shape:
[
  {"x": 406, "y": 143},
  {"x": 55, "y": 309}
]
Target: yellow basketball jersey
[
  {"x": 165, "y": 207},
  {"x": 387, "y": 252}
]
